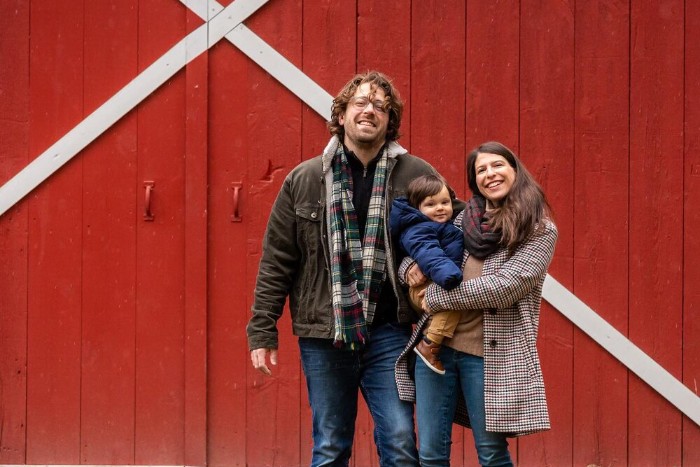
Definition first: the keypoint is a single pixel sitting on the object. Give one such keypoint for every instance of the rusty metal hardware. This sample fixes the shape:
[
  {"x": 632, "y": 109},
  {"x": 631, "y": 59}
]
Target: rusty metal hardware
[
  {"x": 147, "y": 214},
  {"x": 236, "y": 187}
]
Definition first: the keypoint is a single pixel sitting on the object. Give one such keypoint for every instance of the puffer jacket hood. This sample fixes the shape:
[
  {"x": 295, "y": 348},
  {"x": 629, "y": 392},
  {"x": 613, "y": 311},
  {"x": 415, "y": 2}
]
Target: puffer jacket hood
[
  {"x": 438, "y": 248},
  {"x": 403, "y": 216}
]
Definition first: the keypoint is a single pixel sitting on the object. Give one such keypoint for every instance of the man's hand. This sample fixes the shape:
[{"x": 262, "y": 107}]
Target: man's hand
[
  {"x": 259, "y": 359},
  {"x": 415, "y": 276}
]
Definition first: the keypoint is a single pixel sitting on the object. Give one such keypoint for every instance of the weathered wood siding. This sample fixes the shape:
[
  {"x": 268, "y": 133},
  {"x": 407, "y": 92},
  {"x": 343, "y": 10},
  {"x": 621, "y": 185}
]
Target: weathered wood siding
[{"x": 122, "y": 341}]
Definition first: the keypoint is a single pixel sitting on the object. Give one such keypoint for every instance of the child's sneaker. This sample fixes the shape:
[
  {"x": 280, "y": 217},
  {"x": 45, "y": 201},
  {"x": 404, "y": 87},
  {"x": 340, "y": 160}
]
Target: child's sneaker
[{"x": 429, "y": 352}]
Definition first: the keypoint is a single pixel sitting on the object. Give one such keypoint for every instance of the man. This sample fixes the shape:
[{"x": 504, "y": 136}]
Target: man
[{"x": 328, "y": 247}]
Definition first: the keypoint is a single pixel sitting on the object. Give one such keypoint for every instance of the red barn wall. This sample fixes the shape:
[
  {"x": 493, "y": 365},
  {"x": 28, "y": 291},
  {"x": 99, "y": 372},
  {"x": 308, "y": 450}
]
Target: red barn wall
[{"x": 122, "y": 341}]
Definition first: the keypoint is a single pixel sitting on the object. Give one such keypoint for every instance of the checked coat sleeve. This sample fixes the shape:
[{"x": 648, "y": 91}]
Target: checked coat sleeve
[{"x": 518, "y": 276}]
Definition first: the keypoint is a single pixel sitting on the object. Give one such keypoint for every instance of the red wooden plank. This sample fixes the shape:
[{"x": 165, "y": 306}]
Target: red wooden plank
[
  {"x": 438, "y": 79},
  {"x": 55, "y": 239},
  {"x": 493, "y": 85},
  {"x": 196, "y": 100},
  {"x": 656, "y": 243},
  {"x": 271, "y": 106},
  {"x": 109, "y": 250},
  {"x": 438, "y": 113},
  {"x": 160, "y": 267},
  {"x": 228, "y": 358},
  {"x": 14, "y": 79},
  {"x": 600, "y": 266},
  {"x": 492, "y": 94},
  {"x": 329, "y": 54},
  {"x": 13, "y": 296},
  {"x": 14, "y": 146},
  {"x": 691, "y": 224},
  {"x": 386, "y": 46},
  {"x": 547, "y": 150}
]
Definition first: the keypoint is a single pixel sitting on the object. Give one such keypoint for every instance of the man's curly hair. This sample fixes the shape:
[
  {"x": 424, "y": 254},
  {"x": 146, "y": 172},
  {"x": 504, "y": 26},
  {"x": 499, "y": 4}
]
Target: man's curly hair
[{"x": 394, "y": 106}]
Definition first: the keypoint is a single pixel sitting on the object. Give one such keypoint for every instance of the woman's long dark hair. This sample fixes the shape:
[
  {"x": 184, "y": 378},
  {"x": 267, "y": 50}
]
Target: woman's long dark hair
[{"x": 525, "y": 206}]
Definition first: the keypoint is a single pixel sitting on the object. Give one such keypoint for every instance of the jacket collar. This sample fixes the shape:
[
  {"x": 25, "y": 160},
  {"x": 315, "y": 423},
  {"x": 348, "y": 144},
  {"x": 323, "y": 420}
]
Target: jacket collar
[{"x": 393, "y": 149}]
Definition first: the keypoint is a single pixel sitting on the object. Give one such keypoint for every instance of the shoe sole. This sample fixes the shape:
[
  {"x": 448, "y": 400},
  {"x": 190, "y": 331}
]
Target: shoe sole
[{"x": 427, "y": 363}]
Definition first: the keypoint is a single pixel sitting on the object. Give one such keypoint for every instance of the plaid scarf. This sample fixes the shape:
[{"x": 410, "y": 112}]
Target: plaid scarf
[
  {"x": 479, "y": 240},
  {"x": 357, "y": 270}
]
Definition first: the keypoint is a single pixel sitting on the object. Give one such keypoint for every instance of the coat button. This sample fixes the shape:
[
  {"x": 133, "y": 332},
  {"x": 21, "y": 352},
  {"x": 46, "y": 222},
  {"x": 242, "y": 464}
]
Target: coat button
[
  {"x": 313, "y": 215},
  {"x": 493, "y": 343},
  {"x": 492, "y": 311}
]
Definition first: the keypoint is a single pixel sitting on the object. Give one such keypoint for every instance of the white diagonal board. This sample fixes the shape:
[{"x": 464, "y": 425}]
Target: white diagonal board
[{"x": 125, "y": 100}]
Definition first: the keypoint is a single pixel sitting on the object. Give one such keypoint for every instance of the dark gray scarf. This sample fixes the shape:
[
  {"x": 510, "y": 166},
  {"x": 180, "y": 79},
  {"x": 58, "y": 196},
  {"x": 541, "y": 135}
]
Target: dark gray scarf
[{"x": 479, "y": 240}]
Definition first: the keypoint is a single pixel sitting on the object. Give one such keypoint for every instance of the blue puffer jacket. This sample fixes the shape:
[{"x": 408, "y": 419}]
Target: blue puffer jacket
[{"x": 437, "y": 248}]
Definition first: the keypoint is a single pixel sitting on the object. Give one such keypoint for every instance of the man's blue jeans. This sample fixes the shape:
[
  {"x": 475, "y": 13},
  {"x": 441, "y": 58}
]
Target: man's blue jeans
[
  {"x": 436, "y": 401},
  {"x": 333, "y": 377}
]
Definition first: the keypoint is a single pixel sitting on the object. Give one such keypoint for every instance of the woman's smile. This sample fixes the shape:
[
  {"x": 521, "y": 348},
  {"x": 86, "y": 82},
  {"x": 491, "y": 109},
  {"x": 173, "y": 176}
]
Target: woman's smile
[{"x": 494, "y": 176}]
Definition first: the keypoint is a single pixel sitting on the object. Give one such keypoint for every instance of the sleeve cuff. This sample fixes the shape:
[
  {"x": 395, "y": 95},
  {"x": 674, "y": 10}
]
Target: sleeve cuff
[
  {"x": 262, "y": 342},
  {"x": 406, "y": 264},
  {"x": 432, "y": 298}
]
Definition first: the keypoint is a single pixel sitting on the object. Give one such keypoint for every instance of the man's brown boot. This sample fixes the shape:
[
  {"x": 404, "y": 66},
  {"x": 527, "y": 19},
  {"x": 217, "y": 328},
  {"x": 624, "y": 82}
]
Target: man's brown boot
[{"x": 429, "y": 352}]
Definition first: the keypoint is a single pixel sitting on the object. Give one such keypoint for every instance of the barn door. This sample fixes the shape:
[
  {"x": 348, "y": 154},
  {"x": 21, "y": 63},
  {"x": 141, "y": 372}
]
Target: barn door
[
  {"x": 103, "y": 344},
  {"x": 254, "y": 141}
]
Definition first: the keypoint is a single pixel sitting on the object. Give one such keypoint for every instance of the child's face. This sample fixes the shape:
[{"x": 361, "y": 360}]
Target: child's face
[{"x": 438, "y": 207}]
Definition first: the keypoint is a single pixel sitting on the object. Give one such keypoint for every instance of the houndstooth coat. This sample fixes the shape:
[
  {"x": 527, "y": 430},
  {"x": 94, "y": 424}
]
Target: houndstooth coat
[{"x": 510, "y": 292}]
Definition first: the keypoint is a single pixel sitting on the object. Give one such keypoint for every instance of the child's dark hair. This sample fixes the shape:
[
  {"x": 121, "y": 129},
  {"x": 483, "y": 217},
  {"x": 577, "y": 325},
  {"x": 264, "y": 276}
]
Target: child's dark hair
[{"x": 424, "y": 186}]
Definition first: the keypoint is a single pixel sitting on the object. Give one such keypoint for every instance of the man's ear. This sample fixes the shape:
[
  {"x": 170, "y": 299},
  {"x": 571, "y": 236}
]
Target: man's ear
[{"x": 341, "y": 119}]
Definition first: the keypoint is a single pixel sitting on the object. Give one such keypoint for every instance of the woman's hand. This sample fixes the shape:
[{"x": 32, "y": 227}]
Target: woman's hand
[{"x": 415, "y": 276}]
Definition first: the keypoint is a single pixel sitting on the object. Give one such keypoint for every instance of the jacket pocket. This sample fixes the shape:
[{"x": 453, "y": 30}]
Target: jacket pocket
[
  {"x": 310, "y": 294},
  {"x": 529, "y": 354},
  {"x": 308, "y": 227}
]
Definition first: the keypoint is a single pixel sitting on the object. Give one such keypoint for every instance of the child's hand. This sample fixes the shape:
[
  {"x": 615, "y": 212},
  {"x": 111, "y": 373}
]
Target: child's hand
[
  {"x": 415, "y": 276},
  {"x": 423, "y": 303}
]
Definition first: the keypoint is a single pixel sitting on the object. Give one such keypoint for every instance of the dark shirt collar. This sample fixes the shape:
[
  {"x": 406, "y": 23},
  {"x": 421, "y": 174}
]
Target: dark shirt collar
[{"x": 353, "y": 159}]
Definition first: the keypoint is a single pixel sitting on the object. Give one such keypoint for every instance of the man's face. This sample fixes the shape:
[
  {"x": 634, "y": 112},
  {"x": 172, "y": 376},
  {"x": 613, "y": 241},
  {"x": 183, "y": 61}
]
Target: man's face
[{"x": 365, "y": 127}]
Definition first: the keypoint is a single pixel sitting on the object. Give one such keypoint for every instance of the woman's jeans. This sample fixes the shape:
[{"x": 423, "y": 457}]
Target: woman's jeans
[
  {"x": 333, "y": 377},
  {"x": 436, "y": 401}
]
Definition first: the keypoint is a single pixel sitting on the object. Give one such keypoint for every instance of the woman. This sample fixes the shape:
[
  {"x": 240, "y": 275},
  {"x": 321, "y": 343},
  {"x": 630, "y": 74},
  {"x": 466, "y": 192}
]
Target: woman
[{"x": 491, "y": 363}]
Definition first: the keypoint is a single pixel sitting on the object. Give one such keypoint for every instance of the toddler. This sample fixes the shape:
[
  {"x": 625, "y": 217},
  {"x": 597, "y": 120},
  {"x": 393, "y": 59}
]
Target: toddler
[{"x": 423, "y": 224}]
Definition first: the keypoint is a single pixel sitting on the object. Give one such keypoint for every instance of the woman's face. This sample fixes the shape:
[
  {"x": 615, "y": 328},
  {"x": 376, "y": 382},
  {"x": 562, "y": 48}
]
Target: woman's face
[{"x": 494, "y": 176}]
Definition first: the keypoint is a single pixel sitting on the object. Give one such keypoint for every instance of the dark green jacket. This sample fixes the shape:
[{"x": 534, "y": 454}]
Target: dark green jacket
[{"x": 295, "y": 258}]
